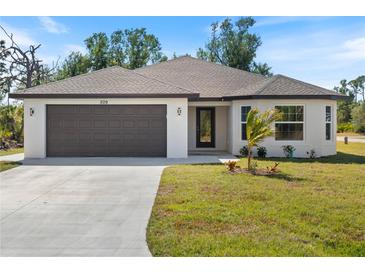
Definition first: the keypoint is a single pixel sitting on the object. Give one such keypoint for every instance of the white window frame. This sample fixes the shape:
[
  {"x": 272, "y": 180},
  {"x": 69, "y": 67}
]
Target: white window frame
[
  {"x": 291, "y": 122},
  {"x": 330, "y": 122},
  {"x": 243, "y": 122}
]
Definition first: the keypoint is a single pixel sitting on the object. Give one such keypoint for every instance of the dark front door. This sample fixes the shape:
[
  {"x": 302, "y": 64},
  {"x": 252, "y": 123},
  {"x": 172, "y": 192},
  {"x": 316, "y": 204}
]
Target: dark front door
[
  {"x": 106, "y": 130},
  {"x": 205, "y": 129}
]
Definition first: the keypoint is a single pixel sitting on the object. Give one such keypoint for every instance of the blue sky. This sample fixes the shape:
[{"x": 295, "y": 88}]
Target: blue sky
[{"x": 319, "y": 50}]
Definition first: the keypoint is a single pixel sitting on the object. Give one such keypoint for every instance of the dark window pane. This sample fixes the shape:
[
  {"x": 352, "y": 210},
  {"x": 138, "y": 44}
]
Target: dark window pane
[
  {"x": 205, "y": 126},
  {"x": 328, "y": 114},
  {"x": 244, "y": 112},
  {"x": 328, "y": 131},
  {"x": 288, "y": 131},
  {"x": 243, "y": 132}
]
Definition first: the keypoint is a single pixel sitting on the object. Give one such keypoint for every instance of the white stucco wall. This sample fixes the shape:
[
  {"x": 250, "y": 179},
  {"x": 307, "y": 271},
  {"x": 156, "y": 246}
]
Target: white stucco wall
[
  {"x": 314, "y": 127},
  {"x": 35, "y": 126}
]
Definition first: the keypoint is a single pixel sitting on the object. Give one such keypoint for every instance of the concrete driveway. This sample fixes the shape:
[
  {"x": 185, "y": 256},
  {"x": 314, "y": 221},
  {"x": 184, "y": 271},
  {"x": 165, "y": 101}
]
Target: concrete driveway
[{"x": 80, "y": 206}]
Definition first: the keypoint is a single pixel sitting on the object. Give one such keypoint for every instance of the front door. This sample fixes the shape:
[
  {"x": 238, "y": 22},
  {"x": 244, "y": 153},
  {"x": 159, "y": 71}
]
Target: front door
[{"x": 205, "y": 129}]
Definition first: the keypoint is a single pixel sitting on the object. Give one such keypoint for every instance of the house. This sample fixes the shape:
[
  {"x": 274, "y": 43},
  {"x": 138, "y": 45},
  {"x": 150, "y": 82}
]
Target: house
[{"x": 172, "y": 109}]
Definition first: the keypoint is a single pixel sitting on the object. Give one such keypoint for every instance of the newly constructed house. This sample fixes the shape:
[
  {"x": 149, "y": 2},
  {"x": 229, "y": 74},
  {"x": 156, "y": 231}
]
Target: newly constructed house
[{"x": 172, "y": 109}]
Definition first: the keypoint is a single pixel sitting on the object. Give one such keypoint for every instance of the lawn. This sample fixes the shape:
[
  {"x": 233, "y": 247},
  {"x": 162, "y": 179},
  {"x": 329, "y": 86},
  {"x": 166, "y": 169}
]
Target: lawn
[
  {"x": 5, "y": 165},
  {"x": 11, "y": 151},
  {"x": 312, "y": 208}
]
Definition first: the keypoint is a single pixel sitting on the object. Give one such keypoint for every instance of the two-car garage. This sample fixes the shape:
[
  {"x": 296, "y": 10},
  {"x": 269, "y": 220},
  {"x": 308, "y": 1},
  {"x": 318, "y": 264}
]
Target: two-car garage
[{"x": 106, "y": 130}]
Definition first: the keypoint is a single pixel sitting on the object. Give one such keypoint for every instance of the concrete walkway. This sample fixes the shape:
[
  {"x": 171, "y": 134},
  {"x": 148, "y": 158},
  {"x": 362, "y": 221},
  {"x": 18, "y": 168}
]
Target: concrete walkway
[
  {"x": 13, "y": 157},
  {"x": 81, "y": 206}
]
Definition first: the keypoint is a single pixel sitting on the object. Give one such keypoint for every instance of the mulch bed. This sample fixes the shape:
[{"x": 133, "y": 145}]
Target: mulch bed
[{"x": 257, "y": 171}]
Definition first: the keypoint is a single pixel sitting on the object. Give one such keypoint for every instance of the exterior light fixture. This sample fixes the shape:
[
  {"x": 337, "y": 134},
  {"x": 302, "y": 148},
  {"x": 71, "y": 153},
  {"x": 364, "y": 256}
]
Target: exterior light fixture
[
  {"x": 31, "y": 111},
  {"x": 179, "y": 110}
]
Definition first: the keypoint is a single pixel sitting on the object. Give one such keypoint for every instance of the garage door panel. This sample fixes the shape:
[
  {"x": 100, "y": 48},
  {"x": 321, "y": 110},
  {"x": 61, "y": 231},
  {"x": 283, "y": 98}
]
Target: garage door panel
[{"x": 114, "y": 130}]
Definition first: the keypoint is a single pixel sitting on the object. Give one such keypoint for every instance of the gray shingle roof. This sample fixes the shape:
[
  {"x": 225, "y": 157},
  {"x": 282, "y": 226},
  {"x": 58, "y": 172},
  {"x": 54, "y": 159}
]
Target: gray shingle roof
[
  {"x": 112, "y": 81},
  {"x": 184, "y": 76}
]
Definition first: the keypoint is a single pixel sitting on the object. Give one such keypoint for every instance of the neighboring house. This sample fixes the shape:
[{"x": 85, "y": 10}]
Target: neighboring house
[{"x": 172, "y": 109}]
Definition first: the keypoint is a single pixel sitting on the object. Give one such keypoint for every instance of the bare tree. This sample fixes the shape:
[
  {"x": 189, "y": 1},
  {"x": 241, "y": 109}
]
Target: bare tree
[{"x": 21, "y": 67}]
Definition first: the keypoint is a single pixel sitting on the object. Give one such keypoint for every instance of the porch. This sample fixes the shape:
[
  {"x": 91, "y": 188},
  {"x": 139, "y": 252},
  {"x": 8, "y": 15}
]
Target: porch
[{"x": 209, "y": 128}]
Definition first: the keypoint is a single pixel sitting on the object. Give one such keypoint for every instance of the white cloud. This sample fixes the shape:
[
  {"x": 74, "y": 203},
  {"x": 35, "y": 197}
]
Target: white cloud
[
  {"x": 74, "y": 47},
  {"x": 277, "y": 20},
  {"x": 353, "y": 49},
  {"x": 20, "y": 36},
  {"x": 51, "y": 25}
]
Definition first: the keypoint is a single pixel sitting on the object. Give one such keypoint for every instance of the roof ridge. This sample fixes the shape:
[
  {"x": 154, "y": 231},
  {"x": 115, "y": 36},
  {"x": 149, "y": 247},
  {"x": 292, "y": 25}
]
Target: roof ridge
[
  {"x": 163, "y": 82},
  {"x": 272, "y": 80},
  {"x": 206, "y": 62},
  {"x": 307, "y": 84},
  {"x": 227, "y": 67},
  {"x": 73, "y": 77}
]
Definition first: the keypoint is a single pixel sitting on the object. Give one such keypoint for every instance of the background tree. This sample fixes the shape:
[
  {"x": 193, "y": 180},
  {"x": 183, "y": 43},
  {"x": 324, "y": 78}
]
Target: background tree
[
  {"x": 358, "y": 117},
  {"x": 140, "y": 48},
  {"x": 233, "y": 45},
  {"x": 98, "y": 47},
  {"x": 358, "y": 86},
  {"x": 75, "y": 63},
  {"x": 258, "y": 127},
  {"x": 21, "y": 68},
  {"x": 344, "y": 107}
]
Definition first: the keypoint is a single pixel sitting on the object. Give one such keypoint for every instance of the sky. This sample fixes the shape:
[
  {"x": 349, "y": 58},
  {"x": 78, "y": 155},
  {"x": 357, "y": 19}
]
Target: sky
[{"x": 319, "y": 50}]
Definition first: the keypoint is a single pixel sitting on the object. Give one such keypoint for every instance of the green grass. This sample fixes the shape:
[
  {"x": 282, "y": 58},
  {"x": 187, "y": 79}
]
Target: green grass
[
  {"x": 11, "y": 151},
  {"x": 5, "y": 165},
  {"x": 312, "y": 208}
]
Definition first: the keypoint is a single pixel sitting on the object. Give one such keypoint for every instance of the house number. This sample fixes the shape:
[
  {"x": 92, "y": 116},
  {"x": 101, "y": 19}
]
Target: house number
[{"x": 104, "y": 102}]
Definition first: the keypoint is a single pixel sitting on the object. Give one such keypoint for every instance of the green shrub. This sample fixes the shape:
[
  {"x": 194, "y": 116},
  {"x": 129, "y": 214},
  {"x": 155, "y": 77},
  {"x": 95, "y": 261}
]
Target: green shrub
[
  {"x": 345, "y": 127},
  {"x": 244, "y": 151},
  {"x": 261, "y": 152},
  {"x": 11, "y": 125}
]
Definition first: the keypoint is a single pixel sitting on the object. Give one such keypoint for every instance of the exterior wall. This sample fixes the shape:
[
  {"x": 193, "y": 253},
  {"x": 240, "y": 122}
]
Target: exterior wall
[
  {"x": 314, "y": 127},
  {"x": 221, "y": 126},
  {"x": 35, "y": 125}
]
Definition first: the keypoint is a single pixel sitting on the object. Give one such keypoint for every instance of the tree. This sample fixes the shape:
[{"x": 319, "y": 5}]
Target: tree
[
  {"x": 75, "y": 63},
  {"x": 233, "y": 45},
  {"x": 98, "y": 47},
  {"x": 140, "y": 48},
  {"x": 344, "y": 107},
  {"x": 358, "y": 86},
  {"x": 21, "y": 67},
  {"x": 258, "y": 127},
  {"x": 262, "y": 69},
  {"x": 129, "y": 48},
  {"x": 358, "y": 117}
]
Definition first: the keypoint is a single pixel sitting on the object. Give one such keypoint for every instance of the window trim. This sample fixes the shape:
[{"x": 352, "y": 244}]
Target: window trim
[
  {"x": 330, "y": 122},
  {"x": 291, "y": 122},
  {"x": 241, "y": 122}
]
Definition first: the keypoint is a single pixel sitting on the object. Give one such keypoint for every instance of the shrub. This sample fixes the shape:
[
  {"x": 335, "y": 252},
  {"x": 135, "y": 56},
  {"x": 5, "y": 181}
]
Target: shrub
[
  {"x": 11, "y": 125},
  {"x": 345, "y": 127},
  {"x": 231, "y": 165},
  {"x": 272, "y": 169},
  {"x": 288, "y": 151},
  {"x": 312, "y": 154},
  {"x": 261, "y": 152},
  {"x": 244, "y": 151}
]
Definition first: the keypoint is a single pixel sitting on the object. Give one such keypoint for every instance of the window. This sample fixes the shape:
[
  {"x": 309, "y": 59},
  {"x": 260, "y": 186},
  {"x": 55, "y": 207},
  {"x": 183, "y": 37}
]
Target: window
[
  {"x": 244, "y": 111},
  {"x": 291, "y": 124},
  {"x": 328, "y": 122}
]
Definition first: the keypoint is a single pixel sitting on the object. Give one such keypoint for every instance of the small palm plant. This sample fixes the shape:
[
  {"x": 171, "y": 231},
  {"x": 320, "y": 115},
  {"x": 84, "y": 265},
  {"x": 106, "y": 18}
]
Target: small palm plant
[{"x": 258, "y": 127}]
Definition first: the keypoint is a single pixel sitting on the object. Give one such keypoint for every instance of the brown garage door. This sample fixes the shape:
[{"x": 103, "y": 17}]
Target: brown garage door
[{"x": 106, "y": 130}]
